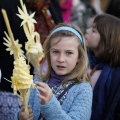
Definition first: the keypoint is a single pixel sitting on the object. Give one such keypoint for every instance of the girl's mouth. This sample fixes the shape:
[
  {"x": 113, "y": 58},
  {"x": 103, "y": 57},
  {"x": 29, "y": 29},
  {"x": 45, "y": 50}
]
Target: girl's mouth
[{"x": 60, "y": 66}]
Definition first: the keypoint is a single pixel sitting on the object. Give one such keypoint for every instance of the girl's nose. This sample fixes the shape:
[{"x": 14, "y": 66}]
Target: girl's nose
[{"x": 61, "y": 58}]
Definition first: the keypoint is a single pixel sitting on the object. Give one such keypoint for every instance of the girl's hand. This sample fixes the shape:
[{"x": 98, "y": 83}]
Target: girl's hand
[
  {"x": 24, "y": 116},
  {"x": 45, "y": 92}
]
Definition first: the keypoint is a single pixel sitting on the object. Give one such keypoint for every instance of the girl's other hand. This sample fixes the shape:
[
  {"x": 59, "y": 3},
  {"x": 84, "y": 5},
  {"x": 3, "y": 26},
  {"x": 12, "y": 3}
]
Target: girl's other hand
[
  {"x": 45, "y": 92},
  {"x": 24, "y": 116}
]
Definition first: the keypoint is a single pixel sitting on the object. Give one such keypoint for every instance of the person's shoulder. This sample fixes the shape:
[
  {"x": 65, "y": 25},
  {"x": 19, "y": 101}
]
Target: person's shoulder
[
  {"x": 82, "y": 87},
  {"x": 81, "y": 91}
]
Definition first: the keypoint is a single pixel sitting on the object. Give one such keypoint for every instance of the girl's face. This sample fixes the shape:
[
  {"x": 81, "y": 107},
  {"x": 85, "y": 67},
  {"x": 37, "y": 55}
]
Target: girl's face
[
  {"x": 92, "y": 38},
  {"x": 64, "y": 54}
]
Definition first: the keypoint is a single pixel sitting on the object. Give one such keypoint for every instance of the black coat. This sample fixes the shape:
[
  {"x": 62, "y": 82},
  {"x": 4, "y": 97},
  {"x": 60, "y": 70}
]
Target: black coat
[
  {"x": 112, "y": 110},
  {"x": 106, "y": 94}
]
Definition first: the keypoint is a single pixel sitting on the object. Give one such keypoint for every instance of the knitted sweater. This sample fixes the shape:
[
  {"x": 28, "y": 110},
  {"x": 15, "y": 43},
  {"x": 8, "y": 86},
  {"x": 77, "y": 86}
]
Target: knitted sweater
[{"x": 76, "y": 106}]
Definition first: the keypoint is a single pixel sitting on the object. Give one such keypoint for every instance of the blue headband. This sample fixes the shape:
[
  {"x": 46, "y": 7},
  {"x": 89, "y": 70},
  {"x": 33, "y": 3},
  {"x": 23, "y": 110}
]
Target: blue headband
[{"x": 71, "y": 30}]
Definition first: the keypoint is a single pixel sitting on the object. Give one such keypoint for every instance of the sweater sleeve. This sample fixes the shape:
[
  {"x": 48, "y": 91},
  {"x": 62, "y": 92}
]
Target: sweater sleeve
[{"x": 80, "y": 107}]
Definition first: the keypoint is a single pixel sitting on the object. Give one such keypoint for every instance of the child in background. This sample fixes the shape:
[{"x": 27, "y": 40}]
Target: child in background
[
  {"x": 103, "y": 40},
  {"x": 65, "y": 93}
]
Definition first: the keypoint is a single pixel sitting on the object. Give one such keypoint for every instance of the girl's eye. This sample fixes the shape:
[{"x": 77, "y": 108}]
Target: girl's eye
[
  {"x": 55, "y": 52},
  {"x": 69, "y": 53}
]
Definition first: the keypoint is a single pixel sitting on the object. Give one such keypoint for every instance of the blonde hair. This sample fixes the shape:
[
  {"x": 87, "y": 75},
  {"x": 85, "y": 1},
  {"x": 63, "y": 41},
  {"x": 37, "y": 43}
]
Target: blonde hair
[{"x": 79, "y": 73}]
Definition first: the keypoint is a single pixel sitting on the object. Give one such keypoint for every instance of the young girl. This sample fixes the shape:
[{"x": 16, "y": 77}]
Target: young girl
[
  {"x": 103, "y": 39},
  {"x": 65, "y": 93}
]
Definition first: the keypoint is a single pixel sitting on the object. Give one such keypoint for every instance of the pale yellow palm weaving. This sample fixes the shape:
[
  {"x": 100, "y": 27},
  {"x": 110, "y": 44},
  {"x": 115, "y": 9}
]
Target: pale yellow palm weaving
[
  {"x": 21, "y": 78},
  {"x": 33, "y": 45}
]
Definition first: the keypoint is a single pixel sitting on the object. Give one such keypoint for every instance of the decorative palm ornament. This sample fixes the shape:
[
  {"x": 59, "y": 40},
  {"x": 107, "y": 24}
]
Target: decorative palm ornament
[
  {"x": 21, "y": 79},
  {"x": 33, "y": 45}
]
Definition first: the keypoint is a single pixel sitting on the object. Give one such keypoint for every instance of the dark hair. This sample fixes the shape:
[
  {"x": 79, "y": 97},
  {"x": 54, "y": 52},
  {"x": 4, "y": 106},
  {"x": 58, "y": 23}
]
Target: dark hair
[{"x": 109, "y": 47}]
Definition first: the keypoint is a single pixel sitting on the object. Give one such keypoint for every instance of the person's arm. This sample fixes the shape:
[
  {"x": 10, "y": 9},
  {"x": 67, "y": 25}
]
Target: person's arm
[{"x": 80, "y": 109}]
